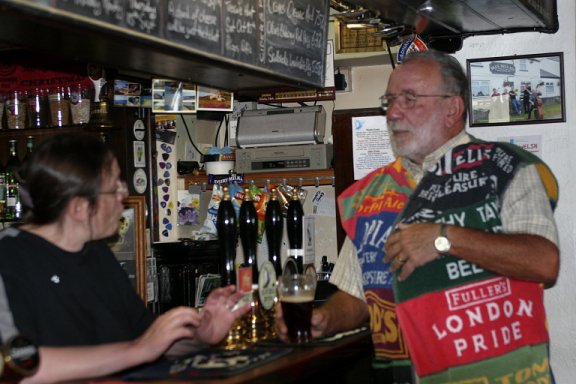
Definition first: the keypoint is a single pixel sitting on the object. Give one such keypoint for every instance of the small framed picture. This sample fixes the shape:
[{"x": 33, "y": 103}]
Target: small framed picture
[
  {"x": 129, "y": 243},
  {"x": 212, "y": 99},
  {"x": 522, "y": 89},
  {"x": 173, "y": 96}
]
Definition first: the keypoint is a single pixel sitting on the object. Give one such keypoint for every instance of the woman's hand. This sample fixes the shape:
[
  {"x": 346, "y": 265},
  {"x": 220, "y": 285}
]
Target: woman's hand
[{"x": 216, "y": 315}]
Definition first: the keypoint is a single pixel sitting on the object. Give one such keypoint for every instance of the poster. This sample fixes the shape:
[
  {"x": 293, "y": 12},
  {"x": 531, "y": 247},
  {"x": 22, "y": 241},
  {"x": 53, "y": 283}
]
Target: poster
[{"x": 370, "y": 144}]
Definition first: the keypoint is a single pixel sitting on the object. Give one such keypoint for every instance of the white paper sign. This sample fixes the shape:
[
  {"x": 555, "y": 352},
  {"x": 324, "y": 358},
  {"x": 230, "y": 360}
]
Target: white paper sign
[{"x": 370, "y": 144}]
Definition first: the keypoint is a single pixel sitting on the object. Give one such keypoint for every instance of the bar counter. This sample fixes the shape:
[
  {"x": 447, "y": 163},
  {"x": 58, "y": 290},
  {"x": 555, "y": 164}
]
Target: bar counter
[{"x": 346, "y": 360}]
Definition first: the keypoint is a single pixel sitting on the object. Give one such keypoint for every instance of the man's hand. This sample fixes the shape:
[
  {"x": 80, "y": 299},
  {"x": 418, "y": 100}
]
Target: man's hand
[
  {"x": 341, "y": 312},
  {"x": 318, "y": 323},
  {"x": 410, "y": 247}
]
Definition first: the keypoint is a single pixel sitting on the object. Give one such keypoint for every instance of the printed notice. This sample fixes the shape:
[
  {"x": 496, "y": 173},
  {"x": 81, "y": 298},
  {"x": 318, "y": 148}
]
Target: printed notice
[
  {"x": 532, "y": 143},
  {"x": 370, "y": 144}
]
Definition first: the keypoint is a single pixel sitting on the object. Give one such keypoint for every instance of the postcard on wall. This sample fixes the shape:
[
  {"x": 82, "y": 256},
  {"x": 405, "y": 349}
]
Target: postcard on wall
[
  {"x": 531, "y": 143},
  {"x": 188, "y": 207},
  {"x": 370, "y": 144},
  {"x": 127, "y": 94},
  {"x": 139, "y": 151},
  {"x": 173, "y": 96},
  {"x": 212, "y": 99}
]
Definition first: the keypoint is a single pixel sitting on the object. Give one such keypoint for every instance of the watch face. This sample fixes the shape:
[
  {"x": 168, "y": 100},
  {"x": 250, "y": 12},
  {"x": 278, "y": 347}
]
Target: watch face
[{"x": 442, "y": 244}]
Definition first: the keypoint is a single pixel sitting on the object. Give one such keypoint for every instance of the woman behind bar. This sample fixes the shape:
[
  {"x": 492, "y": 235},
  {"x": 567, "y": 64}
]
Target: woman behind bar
[{"x": 66, "y": 290}]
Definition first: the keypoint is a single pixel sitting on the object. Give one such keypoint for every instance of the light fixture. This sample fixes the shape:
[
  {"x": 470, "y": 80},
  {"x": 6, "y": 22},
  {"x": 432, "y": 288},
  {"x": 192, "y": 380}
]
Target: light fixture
[
  {"x": 426, "y": 7},
  {"x": 363, "y": 25},
  {"x": 358, "y": 19}
]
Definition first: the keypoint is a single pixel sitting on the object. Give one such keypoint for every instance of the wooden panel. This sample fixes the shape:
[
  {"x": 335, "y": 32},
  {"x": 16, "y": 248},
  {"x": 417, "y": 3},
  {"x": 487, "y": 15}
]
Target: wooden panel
[
  {"x": 343, "y": 153},
  {"x": 316, "y": 177}
]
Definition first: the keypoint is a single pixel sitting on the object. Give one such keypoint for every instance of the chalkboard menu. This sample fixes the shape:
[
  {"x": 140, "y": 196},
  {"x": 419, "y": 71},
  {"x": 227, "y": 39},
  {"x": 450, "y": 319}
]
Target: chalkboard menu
[{"x": 284, "y": 36}]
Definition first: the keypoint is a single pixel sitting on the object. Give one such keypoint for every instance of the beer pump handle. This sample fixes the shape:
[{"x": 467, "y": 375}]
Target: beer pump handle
[
  {"x": 226, "y": 226},
  {"x": 248, "y": 225},
  {"x": 274, "y": 224},
  {"x": 294, "y": 218}
]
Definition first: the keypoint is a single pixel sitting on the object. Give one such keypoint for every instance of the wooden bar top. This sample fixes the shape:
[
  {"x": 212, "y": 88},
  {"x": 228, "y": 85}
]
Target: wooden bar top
[{"x": 341, "y": 361}]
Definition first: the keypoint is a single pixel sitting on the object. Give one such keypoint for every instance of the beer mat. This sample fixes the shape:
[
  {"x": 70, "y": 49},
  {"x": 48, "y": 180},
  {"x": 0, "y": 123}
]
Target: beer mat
[
  {"x": 318, "y": 342},
  {"x": 208, "y": 364}
]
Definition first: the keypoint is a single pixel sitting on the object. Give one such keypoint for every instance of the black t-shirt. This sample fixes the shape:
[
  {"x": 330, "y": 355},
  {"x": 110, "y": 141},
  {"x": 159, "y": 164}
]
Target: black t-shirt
[{"x": 60, "y": 298}]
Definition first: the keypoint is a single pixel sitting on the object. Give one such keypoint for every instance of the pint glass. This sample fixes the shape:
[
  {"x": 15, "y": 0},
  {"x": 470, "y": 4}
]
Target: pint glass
[{"x": 296, "y": 295}]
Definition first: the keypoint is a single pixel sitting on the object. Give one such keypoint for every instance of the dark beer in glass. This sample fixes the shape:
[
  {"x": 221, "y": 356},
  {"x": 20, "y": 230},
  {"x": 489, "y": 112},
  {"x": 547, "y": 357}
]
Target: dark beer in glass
[{"x": 296, "y": 294}]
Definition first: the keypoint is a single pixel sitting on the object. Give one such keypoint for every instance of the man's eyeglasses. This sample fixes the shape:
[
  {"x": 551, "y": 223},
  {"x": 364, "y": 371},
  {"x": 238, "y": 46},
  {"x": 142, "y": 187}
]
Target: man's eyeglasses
[
  {"x": 121, "y": 189},
  {"x": 405, "y": 100}
]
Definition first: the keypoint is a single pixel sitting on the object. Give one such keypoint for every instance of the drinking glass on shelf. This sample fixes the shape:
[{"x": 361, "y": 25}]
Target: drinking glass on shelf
[
  {"x": 59, "y": 101},
  {"x": 38, "y": 115},
  {"x": 16, "y": 110},
  {"x": 80, "y": 104}
]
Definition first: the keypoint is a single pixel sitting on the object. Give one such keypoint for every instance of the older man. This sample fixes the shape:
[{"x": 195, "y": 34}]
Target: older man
[
  {"x": 475, "y": 243},
  {"x": 471, "y": 249}
]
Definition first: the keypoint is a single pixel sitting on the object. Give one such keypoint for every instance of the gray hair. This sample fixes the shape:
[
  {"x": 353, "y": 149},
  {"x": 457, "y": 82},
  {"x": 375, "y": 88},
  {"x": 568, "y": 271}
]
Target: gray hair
[{"x": 453, "y": 76}]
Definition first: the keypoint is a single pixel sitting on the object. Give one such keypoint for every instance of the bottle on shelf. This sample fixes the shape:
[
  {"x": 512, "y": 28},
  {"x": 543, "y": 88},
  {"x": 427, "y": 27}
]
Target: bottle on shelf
[
  {"x": 227, "y": 228},
  {"x": 30, "y": 141},
  {"x": 294, "y": 224},
  {"x": 152, "y": 285},
  {"x": 274, "y": 225},
  {"x": 13, "y": 207}
]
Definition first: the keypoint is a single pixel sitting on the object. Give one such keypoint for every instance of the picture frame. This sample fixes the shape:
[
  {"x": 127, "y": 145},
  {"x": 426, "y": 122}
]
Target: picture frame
[
  {"x": 173, "y": 96},
  {"x": 213, "y": 99},
  {"x": 129, "y": 243},
  {"x": 519, "y": 89}
]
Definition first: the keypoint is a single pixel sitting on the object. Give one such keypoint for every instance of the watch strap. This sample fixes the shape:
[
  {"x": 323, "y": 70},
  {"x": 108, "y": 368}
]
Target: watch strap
[{"x": 443, "y": 230}]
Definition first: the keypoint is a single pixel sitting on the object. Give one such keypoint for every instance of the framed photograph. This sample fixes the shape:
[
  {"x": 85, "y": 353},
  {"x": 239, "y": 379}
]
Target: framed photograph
[
  {"x": 173, "y": 96},
  {"x": 524, "y": 89},
  {"x": 129, "y": 244},
  {"x": 212, "y": 99}
]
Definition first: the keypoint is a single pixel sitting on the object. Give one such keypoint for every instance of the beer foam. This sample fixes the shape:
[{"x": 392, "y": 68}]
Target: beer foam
[{"x": 297, "y": 299}]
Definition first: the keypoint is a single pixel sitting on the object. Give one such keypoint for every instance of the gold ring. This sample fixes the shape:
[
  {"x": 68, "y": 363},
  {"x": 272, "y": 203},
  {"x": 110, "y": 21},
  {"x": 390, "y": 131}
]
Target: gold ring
[{"x": 402, "y": 261}]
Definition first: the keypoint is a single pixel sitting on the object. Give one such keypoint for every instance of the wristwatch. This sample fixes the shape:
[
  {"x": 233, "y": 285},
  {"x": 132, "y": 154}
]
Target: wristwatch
[{"x": 442, "y": 244}]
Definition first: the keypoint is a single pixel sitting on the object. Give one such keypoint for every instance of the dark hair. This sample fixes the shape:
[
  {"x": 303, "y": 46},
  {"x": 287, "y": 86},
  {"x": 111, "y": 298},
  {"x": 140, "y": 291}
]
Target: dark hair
[
  {"x": 453, "y": 75},
  {"x": 61, "y": 168}
]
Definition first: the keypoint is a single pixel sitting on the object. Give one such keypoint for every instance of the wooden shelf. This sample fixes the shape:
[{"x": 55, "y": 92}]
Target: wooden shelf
[
  {"x": 40, "y": 134},
  {"x": 306, "y": 178}
]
